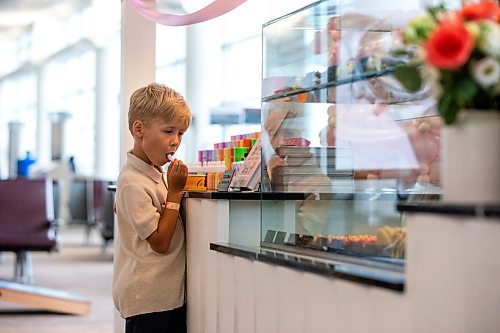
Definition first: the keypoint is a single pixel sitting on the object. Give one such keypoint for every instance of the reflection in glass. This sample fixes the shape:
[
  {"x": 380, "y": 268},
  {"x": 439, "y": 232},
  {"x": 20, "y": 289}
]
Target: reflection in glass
[{"x": 340, "y": 130}]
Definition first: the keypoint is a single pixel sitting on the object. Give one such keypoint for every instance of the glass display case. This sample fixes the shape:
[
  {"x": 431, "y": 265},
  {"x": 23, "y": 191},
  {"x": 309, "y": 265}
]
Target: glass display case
[{"x": 342, "y": 141}]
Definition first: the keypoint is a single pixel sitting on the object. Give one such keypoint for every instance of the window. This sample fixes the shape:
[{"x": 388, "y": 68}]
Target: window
[
  {"x": 171, "y": 57},
  {"x": 18, "y": 105},
  {"x": 70, "y": 89}
]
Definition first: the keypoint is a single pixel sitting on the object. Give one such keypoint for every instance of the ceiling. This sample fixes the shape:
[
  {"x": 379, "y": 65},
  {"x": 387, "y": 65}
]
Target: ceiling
[
  {"x": 19, "y": 14},
  {"x": 15, "y": 14},
  {"x": 17, "y": 5}
]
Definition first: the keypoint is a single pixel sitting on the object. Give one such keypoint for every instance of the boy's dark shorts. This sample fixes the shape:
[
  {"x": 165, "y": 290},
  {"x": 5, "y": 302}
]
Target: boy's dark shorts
[{"x": 173, "y": 321}]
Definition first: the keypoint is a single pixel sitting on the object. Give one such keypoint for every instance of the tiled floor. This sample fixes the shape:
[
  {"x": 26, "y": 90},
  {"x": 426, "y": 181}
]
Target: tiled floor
[{"x": 80, "y": 268}]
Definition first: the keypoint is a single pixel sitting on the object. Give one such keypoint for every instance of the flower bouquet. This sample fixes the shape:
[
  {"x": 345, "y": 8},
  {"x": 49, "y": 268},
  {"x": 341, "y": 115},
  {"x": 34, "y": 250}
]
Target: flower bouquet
[{"x": 458, "y": 54}]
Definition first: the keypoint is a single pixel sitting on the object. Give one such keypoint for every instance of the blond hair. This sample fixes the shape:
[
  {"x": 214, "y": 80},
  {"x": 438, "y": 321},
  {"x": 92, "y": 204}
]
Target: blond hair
[{"x": 157, "y": 102}]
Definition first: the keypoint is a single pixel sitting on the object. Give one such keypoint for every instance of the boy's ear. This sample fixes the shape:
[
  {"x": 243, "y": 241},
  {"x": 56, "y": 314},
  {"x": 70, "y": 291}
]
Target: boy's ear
[{"x": 138, "y": 128}]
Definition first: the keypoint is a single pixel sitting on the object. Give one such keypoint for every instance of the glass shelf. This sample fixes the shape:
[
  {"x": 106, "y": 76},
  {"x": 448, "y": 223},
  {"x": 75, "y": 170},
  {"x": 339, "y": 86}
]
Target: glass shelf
[{"x": 348, "y": 80}]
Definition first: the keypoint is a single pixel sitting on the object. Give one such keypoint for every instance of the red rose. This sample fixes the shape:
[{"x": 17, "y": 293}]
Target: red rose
[
  {"x": 484, "y": 10},
  {"x": 449, "y": 45}
]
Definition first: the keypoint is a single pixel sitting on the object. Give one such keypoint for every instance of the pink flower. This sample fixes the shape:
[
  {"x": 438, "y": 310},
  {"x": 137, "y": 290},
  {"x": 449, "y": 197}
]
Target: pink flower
[{"x": 449, "y": 45}]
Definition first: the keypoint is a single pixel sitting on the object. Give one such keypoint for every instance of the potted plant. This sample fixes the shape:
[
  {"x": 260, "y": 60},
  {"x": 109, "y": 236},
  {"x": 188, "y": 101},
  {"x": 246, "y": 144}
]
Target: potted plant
[{"x": 458, "y": 56}]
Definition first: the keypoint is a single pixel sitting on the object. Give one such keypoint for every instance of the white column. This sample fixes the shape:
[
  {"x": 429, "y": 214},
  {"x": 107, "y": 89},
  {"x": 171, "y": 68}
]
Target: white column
[
  {"x": 43, "y": 125},
  {"x": 101, "y": 150},
  {"x": 14, "y": 146},
  {"x": 138, "y": 69},
  {"x": 138, "y": 64}
]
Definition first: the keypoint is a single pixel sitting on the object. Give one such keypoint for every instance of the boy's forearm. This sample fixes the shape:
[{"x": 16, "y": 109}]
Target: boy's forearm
[
  {"x": 161, "y": 238},
  {"x": 174, "y": 196}
]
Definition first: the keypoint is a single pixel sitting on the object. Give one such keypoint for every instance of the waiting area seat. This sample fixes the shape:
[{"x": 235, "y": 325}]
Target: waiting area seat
[
  {"x": 91, "y": 204},
  {"x": 101, "y": 211},
  {"x": 27, "y": 224}
]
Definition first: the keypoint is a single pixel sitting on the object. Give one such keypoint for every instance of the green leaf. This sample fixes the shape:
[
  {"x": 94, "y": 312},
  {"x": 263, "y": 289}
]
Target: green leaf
[
  {"x": 447, "y": 108},
  {"x": 435, "y": 11},
  {"x": 409, "y": 76},
  {"x": 465, "y": 90}
]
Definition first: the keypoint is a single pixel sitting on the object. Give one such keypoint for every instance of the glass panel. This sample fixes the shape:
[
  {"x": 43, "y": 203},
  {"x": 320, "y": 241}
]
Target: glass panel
[
  {"x": 342, "y": 142},
  {"x": 246, "y": 92}
]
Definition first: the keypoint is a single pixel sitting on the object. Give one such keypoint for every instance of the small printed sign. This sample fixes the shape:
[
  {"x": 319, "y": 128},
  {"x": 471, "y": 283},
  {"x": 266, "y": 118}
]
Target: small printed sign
[{"x": 225, "y": 181}]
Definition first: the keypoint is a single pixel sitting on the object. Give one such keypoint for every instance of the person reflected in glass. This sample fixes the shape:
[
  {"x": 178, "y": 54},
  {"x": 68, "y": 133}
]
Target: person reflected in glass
[{"x": 312, "y": 212}]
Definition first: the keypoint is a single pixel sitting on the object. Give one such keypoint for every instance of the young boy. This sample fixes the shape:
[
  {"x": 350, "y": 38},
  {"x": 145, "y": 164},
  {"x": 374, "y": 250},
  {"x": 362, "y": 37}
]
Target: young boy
[{"x": 149, "y": 263}]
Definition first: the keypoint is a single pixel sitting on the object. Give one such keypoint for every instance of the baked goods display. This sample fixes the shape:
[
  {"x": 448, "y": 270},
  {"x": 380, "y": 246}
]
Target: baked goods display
[
  {"x": 356, "y": 244},
  {"x": 385, "y": 242},
  {"x": 393, "y": 239}
]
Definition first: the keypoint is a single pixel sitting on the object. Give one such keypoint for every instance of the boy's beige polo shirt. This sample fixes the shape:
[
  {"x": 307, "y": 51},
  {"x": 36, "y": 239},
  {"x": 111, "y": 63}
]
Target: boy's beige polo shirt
[{"x": 144, "y": 281}]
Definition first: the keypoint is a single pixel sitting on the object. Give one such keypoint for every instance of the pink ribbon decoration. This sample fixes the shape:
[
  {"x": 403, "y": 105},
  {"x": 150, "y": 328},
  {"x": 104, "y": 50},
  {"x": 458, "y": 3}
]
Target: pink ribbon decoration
[{"x": 218, "y": 7}]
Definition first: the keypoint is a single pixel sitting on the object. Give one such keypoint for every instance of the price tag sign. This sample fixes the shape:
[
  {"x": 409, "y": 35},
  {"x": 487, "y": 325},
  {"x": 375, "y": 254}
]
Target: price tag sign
[{"x": 225, "y": 181}]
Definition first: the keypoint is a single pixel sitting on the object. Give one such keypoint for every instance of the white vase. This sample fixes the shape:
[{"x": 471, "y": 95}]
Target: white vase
[{"x": 470, "y": 158}]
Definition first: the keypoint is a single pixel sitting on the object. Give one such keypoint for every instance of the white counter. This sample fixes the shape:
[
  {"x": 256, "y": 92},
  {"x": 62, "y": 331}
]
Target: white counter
[{"x": 451, "y": 280}]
